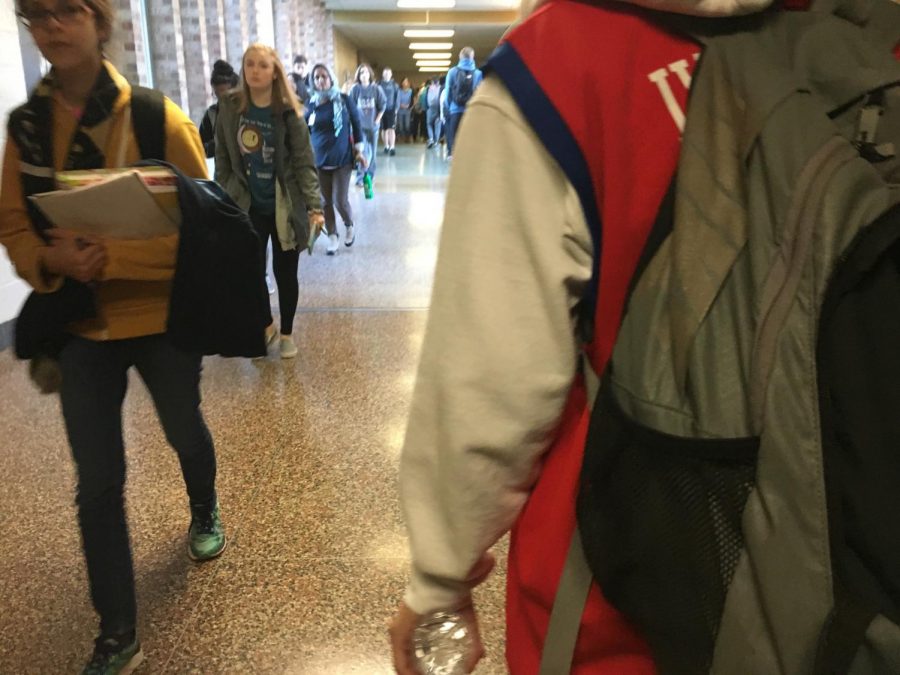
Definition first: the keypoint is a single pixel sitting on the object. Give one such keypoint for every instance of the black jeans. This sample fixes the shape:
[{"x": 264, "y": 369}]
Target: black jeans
[
  {"x": 93, "y": 389},
  {"x": 284, "y": 265},
  {"x": 452, "y": 129}
]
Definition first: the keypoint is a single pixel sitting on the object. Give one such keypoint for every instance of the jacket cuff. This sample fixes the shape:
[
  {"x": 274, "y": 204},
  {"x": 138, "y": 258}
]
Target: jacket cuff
[
  {"x": 426, "y": 594},
  {"x": 46, "y": 281}
]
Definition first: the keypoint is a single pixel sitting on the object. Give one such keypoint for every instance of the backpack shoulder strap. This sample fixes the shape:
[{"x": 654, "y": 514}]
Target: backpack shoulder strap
[{"x": 148, "y": 111}]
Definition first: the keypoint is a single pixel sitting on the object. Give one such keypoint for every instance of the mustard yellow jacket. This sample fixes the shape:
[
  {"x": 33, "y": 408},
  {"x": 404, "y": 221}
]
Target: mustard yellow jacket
[{"x": 133, "y": 290}]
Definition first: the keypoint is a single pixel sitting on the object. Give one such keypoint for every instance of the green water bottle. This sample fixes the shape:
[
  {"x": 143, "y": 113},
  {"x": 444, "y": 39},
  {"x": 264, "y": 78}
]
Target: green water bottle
[{"x": 367, "y": 186}]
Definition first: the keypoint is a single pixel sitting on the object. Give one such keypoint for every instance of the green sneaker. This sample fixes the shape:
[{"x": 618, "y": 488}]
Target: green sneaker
[
  {"x": 206, "y": 537},
  {"x": 111, "y": 658}
]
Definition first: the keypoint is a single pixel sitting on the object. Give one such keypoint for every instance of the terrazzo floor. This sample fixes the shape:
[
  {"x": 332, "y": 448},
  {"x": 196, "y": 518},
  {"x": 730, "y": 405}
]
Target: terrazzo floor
[{"x": 308, "y": 459}]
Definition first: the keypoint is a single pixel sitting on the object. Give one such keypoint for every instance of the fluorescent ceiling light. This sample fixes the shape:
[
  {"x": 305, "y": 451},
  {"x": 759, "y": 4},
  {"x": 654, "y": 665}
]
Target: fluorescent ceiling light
[
  {"x": 432, "y": 55},
  {"x": 443, "y": 46},
  {"x": 445, "y": 64},
  {"x": 415, "y": 33},
  {"x": 426, "y": 4},
  {"x": 432, "y": 69}
]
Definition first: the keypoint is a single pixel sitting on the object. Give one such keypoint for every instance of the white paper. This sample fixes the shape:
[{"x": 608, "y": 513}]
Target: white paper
[{"x": 120, "y": 208}]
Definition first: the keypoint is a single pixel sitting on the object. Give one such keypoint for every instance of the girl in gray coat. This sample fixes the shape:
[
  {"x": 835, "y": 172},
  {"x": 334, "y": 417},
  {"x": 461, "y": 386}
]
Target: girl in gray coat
[{"x": 265, "y": 162}]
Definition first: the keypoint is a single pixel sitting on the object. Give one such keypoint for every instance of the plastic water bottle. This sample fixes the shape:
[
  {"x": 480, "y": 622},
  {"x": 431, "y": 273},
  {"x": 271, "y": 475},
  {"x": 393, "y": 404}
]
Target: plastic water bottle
[
  {"x": 441, "y": 643},
  {"x": 367, "y": 186}
]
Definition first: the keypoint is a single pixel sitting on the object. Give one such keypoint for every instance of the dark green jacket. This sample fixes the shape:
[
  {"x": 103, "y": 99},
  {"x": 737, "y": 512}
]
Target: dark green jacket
[{"x": 297, "y": 187}]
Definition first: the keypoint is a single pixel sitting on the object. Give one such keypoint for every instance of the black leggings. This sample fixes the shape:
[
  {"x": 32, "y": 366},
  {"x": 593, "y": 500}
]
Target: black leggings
[{"x": 284, "y": 264}]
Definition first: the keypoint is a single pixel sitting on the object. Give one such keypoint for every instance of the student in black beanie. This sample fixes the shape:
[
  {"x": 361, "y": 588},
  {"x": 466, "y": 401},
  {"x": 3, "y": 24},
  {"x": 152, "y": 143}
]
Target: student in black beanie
[{"x": 223, "y": 78}]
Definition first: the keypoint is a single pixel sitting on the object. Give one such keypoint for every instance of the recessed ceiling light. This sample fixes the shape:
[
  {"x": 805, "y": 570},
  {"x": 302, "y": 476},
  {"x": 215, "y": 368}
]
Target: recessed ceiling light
[
  {"x": 438, "y": 64},
  {"x": 432, "y": 55},
  {"x": 426, "y": 4},
  {"x": 432, "y": 69},
  {"x": 429, "y": 33},
  {"x": 442, "y": 46}
]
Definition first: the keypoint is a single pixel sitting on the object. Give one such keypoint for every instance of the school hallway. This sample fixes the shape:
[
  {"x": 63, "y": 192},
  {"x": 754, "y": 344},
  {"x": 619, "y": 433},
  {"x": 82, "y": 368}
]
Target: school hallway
[{"x": 308, "y": 453}]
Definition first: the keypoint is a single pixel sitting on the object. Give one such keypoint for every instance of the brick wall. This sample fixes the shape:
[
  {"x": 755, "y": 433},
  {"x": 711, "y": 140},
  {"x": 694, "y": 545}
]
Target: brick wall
[
  {"x": 164, "y": 22},
  {"x": 215, "y": 29},
  {"x": 196, "y": 53},
  {"x": 185, "y": 37}
]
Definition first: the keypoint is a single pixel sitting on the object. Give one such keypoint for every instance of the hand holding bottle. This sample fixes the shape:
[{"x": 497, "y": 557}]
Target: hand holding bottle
[
  {"x": 449, "y": 640},
  {"x": 444, "y": 643}
]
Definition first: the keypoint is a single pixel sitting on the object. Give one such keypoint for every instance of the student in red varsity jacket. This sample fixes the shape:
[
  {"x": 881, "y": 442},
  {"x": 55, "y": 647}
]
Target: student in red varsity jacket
[{"x": 578, "y": 123}]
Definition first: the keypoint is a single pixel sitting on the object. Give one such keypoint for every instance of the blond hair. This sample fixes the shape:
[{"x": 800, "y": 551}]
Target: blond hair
[{"x": 283, "y": 96}]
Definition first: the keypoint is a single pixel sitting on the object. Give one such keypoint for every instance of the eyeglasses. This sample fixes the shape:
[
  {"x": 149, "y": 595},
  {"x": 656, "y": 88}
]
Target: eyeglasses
[{"x": 65, "y": 15}]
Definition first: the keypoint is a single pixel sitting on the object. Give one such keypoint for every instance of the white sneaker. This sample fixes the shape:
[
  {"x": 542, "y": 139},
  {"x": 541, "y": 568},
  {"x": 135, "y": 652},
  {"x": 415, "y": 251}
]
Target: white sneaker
[
  {"x": 332, "y": 244},
  {"x": 349, "y": 237},
  {"x": 287, "y": 347}
]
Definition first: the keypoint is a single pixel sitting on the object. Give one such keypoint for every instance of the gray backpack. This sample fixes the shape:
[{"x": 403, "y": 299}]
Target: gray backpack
[{"x": 740, "y": 495}]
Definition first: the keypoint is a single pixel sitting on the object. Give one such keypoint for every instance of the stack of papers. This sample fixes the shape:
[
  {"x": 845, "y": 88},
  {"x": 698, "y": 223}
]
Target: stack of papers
[
  {"x": 158, "y": 179},
  {"x": 117, "y": 203}
]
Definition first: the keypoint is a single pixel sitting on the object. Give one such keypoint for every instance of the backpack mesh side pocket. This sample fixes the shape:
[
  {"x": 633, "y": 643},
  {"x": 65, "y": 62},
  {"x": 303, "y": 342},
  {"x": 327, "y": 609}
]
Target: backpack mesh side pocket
[{"x": 660, "y": 519}]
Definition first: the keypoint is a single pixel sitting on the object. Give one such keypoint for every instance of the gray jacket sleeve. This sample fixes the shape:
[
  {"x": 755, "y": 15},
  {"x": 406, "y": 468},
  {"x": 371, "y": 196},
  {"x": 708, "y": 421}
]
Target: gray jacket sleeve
[{"x": 228, "y": 154}]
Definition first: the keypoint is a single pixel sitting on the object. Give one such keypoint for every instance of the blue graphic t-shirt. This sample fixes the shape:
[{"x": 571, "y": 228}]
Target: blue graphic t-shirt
[{"x": 256, "y": 134}]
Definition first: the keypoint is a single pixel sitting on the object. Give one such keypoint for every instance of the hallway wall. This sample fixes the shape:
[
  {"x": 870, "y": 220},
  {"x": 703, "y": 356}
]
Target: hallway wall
[
  {"x": 12, "y": 93},
  {"x": 175, "y": 49}
]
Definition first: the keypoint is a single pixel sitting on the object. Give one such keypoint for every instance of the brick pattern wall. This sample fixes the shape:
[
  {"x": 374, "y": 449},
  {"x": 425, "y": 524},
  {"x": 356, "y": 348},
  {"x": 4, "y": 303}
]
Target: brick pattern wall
[
  {"x": 284, "y": 19},
  {"x": 304, "y": 27},
  {"x": 315, "y": 37},
  {"x": 167, "y": 49},
  {"x": 126, "y": 44},
  {"x": 187, "y": 36},
  {"x": 196, "y": 53}
]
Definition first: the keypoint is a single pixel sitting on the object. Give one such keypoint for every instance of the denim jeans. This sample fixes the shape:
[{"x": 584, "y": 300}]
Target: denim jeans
[
  {"x": 434, "y": 125},
  {"x": 370, "y": 152},
  {"x": 452, "y": 130},
  {"x": 93, "y": 389}
]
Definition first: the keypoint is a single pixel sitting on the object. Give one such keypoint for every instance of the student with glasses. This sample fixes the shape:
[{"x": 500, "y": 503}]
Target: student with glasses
[{"x": 78, "y": 117}]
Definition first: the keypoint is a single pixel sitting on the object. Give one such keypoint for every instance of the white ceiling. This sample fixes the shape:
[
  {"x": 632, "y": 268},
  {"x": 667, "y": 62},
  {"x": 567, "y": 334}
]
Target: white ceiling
[{"x": 382, "y": 43}]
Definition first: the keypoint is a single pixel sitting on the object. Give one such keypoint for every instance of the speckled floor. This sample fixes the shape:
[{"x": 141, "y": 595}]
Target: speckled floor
[{"x": 308, "y": 452}]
